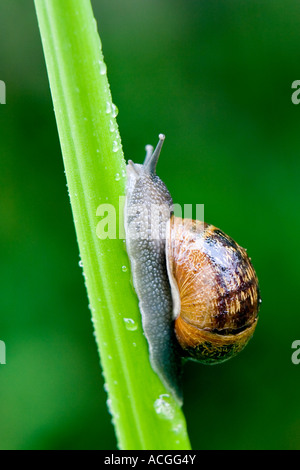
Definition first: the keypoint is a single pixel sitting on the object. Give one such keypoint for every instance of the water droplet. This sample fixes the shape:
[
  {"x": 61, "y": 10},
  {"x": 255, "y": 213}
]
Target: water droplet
[
  {"x": 164, "y": 407},
  {"x": 95, "y": 24},
  {"x": 178, "y": 428},
  {"x": 114, "y": 110},
  {"x": 108, "y": 404},
  {"x": 117, "y": 177},
  {"x": 124, "y": 269},
  {"x": 112, "y": 126},
  {"x": 93, "y": 310},
  {"x": 81, "y": 263},
  {"x": 130, "y": 324},
  {"x": 108, "y": 107},
  {"x": 103, "y": 67},
  {"x": 116, "y": 146}
]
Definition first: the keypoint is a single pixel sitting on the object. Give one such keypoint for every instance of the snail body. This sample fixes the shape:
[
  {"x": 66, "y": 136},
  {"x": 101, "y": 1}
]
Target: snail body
[
  {"x": 198, "y": 292},
  {"x": 148, "y": 207}
]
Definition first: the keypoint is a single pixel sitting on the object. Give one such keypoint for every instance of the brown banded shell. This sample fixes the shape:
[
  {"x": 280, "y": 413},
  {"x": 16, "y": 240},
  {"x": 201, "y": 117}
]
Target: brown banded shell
[{"x": 214, "y": 289}]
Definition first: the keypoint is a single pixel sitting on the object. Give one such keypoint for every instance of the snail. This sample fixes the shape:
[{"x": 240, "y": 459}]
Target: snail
[{"x": 197, "y": 289}]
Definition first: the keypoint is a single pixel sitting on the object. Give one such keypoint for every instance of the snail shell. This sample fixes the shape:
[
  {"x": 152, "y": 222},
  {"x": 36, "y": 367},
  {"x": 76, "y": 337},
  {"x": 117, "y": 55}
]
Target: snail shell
[
  {"x": 214, "y": 289},
  {"x": 198, "y": 292}
]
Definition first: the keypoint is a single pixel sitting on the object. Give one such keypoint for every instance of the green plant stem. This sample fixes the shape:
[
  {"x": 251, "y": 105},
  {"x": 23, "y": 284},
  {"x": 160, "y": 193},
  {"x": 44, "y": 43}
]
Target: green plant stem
[{"x": 144, "y": 415}]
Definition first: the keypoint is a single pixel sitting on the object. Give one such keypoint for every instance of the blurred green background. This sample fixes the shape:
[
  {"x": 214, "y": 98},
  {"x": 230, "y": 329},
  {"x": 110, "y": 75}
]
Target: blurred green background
[{"x": 215, "y": 76}]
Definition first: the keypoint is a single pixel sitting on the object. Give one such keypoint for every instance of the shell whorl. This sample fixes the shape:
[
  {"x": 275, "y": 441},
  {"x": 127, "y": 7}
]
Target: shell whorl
[{"x": 215, "y": 290}]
